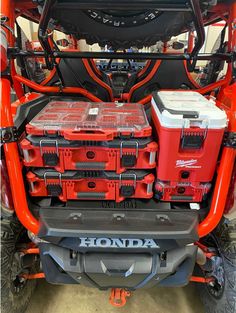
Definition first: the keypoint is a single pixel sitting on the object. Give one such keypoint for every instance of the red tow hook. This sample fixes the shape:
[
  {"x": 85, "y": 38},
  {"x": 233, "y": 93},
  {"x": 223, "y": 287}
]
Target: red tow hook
[{"x": 118, "y": 297}]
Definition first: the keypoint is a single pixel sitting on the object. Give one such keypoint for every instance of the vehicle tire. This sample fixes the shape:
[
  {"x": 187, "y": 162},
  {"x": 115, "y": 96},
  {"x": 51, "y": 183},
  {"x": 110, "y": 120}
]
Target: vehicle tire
[
  {"x": 90, "y": 26},
  {"x": 122, "y": 27},
  {"x": 222, "y": 299},
  {"x": 15, "y": 294}
]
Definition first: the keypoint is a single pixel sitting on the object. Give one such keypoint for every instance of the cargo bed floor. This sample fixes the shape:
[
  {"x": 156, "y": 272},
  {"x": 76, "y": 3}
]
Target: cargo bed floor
[{"x": 73, "y": 299}]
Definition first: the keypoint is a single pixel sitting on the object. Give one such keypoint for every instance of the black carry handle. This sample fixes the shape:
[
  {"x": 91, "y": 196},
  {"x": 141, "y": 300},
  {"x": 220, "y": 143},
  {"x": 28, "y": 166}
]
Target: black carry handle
[
  {"x": 179, "y": 198},
  {"x": 90, "y": 165},
  {"x": 91, "y": 195},
  {"x": 162, "y": 107}
]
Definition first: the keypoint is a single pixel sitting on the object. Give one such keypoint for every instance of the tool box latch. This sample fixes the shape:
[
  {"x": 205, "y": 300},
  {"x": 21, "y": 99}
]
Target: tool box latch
[
  {"x": 127, "y": 189},
  {"x": 54, "y": 189},
  {"x": 50, "y": 158},
  {"x": 128, "y": 159}
]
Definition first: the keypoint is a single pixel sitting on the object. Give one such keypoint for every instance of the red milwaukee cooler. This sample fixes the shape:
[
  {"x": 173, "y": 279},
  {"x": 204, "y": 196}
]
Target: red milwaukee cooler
[
  {"x": 190, "y": 130},
  {"x": 90, "y": 185}
]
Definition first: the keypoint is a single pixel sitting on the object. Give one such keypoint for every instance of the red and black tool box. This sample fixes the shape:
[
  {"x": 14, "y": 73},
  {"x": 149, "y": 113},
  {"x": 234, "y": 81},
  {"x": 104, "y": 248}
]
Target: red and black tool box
[
  {"x": 115, "y": 155},
  {"x": 96, "y": 136},
  {"x": 190, "y": 130},
  {"x": 90, "y": 185},
  {"x": 75, "y": 120}
]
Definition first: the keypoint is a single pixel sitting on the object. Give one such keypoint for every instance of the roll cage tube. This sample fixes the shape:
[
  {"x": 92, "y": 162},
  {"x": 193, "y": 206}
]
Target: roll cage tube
[
  {"x": 15, "y": 171},
  {"x": 13, "y": 163},
  {"x": 10, "y": 148},
  {"x": 192, "y": 6}
]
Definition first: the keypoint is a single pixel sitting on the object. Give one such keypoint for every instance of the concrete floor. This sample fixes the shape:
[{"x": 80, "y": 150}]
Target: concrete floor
[{"x": 79, "y": 299}]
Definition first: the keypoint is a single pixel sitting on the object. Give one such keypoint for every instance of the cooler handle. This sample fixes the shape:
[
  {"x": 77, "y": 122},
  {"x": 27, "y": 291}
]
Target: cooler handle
[
  {"x": 182, "y": 198},
  {"x": 91, "y": 135}
]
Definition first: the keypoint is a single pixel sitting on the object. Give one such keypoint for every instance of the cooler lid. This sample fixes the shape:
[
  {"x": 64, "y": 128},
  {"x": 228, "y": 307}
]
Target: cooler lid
[
  {"x": 110, "y": 118},
  {"x": 177, "y": 109}
]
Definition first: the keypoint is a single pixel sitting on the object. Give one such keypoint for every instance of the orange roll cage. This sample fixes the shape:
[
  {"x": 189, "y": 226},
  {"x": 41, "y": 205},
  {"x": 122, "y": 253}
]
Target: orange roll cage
[{"x": 11, "y": 149}]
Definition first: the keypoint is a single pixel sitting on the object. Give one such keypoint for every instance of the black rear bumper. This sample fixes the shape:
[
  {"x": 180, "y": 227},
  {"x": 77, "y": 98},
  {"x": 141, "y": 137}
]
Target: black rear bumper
[
  {"x": 121, "y": 270},
  {"x": 141, "y": 245},
  {"x": 146, "y": 219}
]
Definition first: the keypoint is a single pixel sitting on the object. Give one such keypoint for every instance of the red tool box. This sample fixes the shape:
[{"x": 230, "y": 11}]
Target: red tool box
[
  {"x": 190, "y": 130},
  {"x": 90, "y": 185},
  {"x": 68, "y": 135},
  {"x": 115, "y": 155},
  {"x": 75, "y": 120}
]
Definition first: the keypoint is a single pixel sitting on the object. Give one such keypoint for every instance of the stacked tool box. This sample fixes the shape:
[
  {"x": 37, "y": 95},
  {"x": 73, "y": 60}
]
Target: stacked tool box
[
  {"x": 190, "y": 129},
  {"x": 90, "y": 151}
]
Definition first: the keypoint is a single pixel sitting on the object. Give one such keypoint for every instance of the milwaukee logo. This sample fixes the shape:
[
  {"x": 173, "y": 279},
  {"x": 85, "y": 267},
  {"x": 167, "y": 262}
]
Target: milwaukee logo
[
  {"x": 187, "y": 163},
  {"x": 91, "y": 242}
]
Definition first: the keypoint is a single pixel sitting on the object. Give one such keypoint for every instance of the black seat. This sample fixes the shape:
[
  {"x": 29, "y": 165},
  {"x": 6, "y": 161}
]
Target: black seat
[
  {"x": 79, "y": 73},
  {"x": 164, "y": 74}
]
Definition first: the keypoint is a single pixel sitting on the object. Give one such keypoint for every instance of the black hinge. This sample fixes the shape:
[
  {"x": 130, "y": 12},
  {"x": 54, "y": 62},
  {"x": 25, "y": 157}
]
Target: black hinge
[
  {"x": 9, "y": 134},
  {"x": 230, "y": 140}
]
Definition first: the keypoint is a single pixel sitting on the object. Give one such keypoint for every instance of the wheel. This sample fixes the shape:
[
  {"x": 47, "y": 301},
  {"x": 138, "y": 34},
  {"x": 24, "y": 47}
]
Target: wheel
[
  {"x": 120, "y": 28},
  {"x": 15, "y": 291},
  {"x": 220, "y": 296},
  {"x": 136, "y": 32}
]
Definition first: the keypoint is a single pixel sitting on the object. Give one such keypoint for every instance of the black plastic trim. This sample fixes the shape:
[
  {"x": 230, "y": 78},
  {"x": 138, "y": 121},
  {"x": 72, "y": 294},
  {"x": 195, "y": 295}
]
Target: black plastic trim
[
  {"x": 170, "y": 228},
  {"x": 68, "y": 175},
  {"x": 9, "y": 134},
  {"x": 162, "y": 107},
  {"x": 116, "y": 143},
  {"x": 107, "y": 270}
]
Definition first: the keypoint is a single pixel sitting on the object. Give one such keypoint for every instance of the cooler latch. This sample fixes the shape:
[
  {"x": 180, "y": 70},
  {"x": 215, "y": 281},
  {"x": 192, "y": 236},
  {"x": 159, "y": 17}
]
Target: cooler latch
[
  {"x": 49, "y": 158},
  {"x": 53, "y": 189},
  {"x": 128, "y": 159},
  {"x": 127, "y": 189},
  {"x": 193, "y": 139}
]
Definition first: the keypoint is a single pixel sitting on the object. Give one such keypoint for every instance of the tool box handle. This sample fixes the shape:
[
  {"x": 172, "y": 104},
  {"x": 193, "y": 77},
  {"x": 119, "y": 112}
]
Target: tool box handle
[
  {"x": 91, "y": 195},
  {"x": 90, "y": 165},
  {"x": 94, "y": 135}
]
